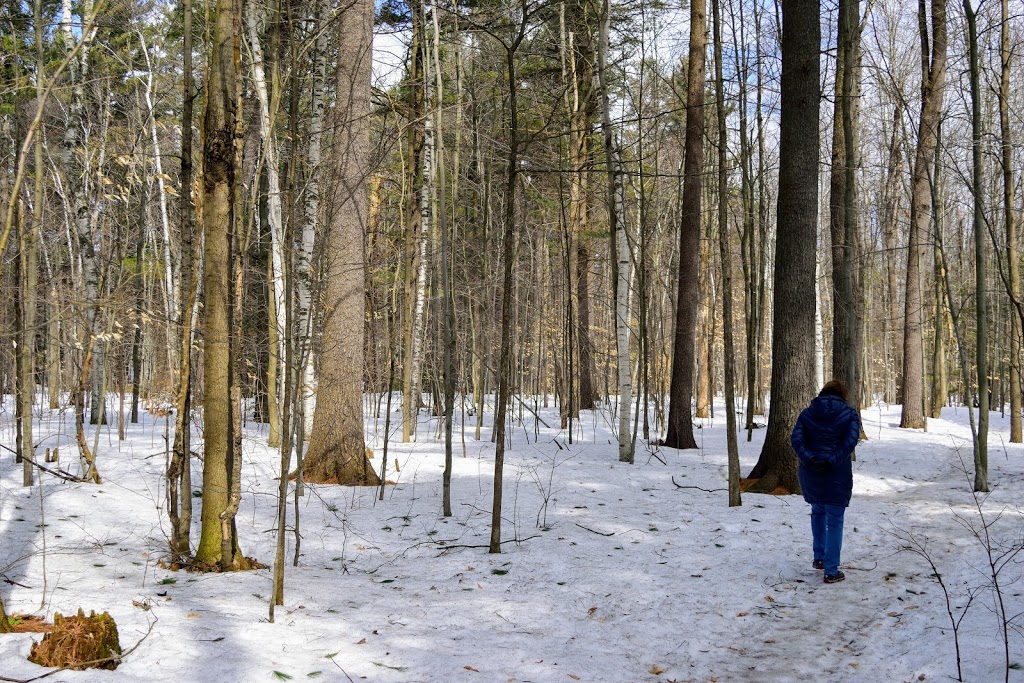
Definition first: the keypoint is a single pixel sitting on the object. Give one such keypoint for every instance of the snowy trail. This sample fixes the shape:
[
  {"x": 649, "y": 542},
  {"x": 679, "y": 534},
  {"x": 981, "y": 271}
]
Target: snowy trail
[{"x": 619, "y": 576}]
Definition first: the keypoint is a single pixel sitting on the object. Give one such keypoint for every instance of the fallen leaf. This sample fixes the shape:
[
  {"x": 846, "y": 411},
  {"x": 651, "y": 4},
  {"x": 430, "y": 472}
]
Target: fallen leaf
[
  {"x": 469, "y": 668},
  {"x": 743, "y": 614},
  {"x": 657, "y": 670},
  {"x": 574, "y": 677},
  {"x": 193, "y": 615},
  {"x": 590, "y": 612},
  {"x": 769, "y": 598},
  {"x": 362, "y": 642}
]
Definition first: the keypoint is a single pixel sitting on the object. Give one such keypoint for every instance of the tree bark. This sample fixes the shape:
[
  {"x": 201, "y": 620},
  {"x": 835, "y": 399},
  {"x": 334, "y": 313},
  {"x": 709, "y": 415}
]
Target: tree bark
[
  {"x": 179, "y": 469},
  {"x": 796, "y": 237},
  {"x": 617, "y": 219},
  {"x": 1012, "y": 227},
  {"x": 221, "y": 137},
  {"x": 725, "y": 250},
  {"x": 417, "y": 216},
  {"x": 680, "y": 418},
  {"x": 508, "y": 262},
  {"x": 933, "y": 77},
  {"x": 337, "y": 450},
  {"x": 980, "y": 259}
]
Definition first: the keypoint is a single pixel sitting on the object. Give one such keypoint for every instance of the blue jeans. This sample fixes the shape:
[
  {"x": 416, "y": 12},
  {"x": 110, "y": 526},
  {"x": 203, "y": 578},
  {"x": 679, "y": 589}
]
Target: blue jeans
[{"x": 827, "y": 531}]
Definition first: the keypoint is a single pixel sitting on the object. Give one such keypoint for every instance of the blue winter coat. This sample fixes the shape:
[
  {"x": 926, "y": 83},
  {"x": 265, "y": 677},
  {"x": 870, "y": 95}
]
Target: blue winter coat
[{"x": 824, "y": 437}]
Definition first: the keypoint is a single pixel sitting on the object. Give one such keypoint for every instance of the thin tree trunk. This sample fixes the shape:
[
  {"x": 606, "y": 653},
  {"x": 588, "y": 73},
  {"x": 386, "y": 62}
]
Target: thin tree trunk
[
  {"x": 980, "y": 258},
  {"x": 1012, "y": 227},
  {"x": 617, "y": 218},
  {"x": 179, "y": 470},
  {"x": 940, "y": 374},
  {"x": 171, "y": 284},
  {"x": 725, "y": 249},
  {"x": 311, "y": 216},
  {"x": 268, "y": 106},
  {"x": 890, "y": 215},
  {"x": 705, "y": 330},
  {"x": 508, "y": 258},
  {"x": 27, "y": 344},
  {"x": 417, "y": 220},
  {"x": 447, "y": 269}
]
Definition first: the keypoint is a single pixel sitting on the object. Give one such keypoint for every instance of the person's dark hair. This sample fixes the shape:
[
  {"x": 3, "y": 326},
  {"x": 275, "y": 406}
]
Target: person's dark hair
[{"x": 834, "y": 388}]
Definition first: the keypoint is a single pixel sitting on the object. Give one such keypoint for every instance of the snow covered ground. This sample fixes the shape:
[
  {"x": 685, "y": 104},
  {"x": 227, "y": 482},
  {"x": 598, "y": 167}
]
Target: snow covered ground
[{"x": 609, "y": 572}]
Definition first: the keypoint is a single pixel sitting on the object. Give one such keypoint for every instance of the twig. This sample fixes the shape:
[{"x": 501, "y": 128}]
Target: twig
[
  {"x": 599, "y": 533},
  {"x": 341, "y": 670},
  {"x": 509, "y": 540},
  {"x": 654, "y": 454},
  {"x": 680, "y": 486},
  {"x": 59, "y": 473}
]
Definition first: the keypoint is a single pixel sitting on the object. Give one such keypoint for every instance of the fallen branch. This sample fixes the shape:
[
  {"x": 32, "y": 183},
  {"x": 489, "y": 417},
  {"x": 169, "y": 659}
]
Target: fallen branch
[
  {"x": 680, "y": 486},
  {"x": 599, "y": 533},
  {"x": 487, "y": 546}
]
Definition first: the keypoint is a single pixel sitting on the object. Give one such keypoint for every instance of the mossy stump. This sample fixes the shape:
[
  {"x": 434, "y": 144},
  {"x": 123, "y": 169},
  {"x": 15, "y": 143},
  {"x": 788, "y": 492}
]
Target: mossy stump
[{"x": 79, "y": 642}]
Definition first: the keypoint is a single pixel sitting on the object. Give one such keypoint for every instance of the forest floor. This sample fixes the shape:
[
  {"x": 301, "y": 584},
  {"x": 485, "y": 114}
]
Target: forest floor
[{"x": 608, "y": 572}]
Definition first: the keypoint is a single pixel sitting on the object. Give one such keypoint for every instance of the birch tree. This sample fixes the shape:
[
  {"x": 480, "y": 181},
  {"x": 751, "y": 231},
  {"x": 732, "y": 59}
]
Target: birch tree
[{"x": 617, "y": 220}]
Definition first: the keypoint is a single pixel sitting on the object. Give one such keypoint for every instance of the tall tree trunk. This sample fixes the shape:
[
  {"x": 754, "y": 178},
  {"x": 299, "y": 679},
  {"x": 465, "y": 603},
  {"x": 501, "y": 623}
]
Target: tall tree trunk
[
  {"x": 75, "y": 171},
  {"x": 890, "y": 216},
  {"x": 940, "y": 374},
  {"x": 796, "y": 237},
  {"x": 1012, "y": 227},
  {"x": 221, "y": 137},
  {"x": 705, "y": 329},
  {"x": 447, "y": 269},
  {"x": 844, "y": 216},
  {"x": 269, "y": 97},
  {"x": 508, "y": 259},
  {"x": 617, "y": 219},
  {"x": 337, "y": 450},
  {"x": 179, "y": 469},
  {"x": 171, "y": 283},
  {"x": 725, "y": 249},
  {"x": 980, "y": 258},
  {"x": 933, "y": 77},
  {"x": 28, "y": 283},
  {"x": 680, "y": 418},
  {"x": 417, "y": 216},
  {"x": 311, "y": 216},
  {"x": 53, "y": 363},
  {"x": 580, "y": 86}
]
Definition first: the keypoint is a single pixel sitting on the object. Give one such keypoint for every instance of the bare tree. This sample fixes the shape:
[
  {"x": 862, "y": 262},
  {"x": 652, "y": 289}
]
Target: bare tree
[
  {"x": 337, "y": 450},
  {"x": 219, "y": 215},
  {"x": 933, "y": 79},
  {"x": 795, "y": 245},
  {"x": 680, "y": 415}
]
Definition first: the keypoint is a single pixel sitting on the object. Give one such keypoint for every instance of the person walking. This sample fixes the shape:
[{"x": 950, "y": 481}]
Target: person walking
[{"x": 825, "y": 435}]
